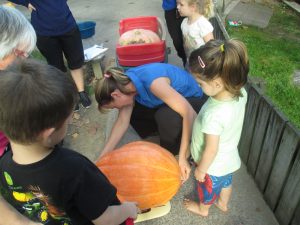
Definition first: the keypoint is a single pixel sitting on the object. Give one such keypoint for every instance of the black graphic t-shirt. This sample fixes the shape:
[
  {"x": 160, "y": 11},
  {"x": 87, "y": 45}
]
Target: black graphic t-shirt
[{"x": 63, "y": 188}]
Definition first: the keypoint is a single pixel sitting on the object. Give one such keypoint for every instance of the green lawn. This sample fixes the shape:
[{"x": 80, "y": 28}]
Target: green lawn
[{"x": 274, "y": 56}]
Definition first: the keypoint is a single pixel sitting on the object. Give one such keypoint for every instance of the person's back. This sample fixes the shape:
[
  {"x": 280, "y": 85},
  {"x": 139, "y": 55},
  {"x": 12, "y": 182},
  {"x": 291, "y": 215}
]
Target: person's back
[
  {"x": 63, "y": 187},
  {"x": 45, "y": 182},
  {"x": 180, "y": 80},
  {"x": 50, "y": 18},
  {"x": 230, "y": 117}
]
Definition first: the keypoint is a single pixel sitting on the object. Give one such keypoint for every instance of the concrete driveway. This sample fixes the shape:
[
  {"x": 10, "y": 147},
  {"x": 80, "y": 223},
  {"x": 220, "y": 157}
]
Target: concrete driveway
[{"x": 89, "y": 129}]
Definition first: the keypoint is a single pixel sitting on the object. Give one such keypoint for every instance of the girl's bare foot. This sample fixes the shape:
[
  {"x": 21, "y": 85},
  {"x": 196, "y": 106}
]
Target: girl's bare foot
[
  {"x": 221, "y": 206},
  {"x": 194, "y": 207}
]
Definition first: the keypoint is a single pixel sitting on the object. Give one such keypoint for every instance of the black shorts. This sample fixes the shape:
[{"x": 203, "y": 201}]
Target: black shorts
[{"x": 69, "y": 44}]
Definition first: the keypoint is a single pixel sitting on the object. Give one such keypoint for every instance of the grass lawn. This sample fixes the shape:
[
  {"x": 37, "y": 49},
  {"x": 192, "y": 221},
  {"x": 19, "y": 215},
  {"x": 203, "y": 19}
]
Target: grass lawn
[{"x": 274, "y": 56}]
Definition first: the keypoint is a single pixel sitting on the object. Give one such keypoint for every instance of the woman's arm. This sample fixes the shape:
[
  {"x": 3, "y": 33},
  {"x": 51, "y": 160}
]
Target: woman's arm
[
  {"x": 8, "y": 215},
  {"x": 162, "y": 89},
  {"x": 208, "y": 156},
  {"x": 118, "y": 130},
  {"x": 117, "y": 214}
]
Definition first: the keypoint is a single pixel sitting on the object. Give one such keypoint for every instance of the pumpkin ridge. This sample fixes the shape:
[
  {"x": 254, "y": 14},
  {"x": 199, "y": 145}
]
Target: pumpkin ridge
[
  {"x": 170, "y": 160},
  {"x": 154, "y": 147},
  {"x": 140, "y": 166},
  {"x": 152, "y": 194}
]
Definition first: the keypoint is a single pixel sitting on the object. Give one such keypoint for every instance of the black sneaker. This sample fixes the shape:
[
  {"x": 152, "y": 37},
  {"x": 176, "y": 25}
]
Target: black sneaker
[
  {"x": 84, "y": 99},
  {"x": 76, "y": 108}
]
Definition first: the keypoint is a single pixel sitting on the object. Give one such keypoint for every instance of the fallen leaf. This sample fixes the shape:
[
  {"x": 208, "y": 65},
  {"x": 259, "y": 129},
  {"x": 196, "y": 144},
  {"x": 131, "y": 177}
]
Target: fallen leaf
[
  {"x": 76, "y": 116},
  {"x": 75, "y": 135}
]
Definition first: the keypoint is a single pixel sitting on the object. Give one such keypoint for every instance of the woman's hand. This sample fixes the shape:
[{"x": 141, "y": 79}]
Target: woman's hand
[{"x": 185, "y": 169}]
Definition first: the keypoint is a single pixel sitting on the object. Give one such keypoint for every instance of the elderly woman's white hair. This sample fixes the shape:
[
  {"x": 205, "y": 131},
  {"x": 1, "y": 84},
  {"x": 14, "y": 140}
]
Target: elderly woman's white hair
[{"x": 15, "y": 32}]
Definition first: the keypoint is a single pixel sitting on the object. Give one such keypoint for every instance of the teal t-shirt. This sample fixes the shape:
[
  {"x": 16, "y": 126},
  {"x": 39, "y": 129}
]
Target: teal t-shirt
[
  {"x": 143, "y": 76},
  {"x": 225, "y": 119}
]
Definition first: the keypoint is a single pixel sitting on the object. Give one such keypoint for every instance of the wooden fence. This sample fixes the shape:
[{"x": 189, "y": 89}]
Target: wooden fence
[{"x": 270, "y": 148}]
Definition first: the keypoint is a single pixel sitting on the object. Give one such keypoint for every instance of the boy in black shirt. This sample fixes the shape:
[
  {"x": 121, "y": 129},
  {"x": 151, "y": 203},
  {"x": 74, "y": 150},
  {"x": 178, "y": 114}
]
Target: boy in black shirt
[{"x": 52, "y": 185}]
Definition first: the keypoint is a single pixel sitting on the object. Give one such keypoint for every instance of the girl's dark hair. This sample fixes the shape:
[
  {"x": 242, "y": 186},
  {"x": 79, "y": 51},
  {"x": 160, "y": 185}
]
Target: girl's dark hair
[
  {"x": 34, "y": 96},
  {"x": 114, "y": 78},
  {"x": 227, "y": 60}
]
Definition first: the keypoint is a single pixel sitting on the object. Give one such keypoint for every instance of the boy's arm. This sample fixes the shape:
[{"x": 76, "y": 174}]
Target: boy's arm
[
  {"x": 117, "y": 214},
  {"x": 118, "y": 130},
  {"x": 9, "y": 216},
  {"x": 208, "y": 156}
]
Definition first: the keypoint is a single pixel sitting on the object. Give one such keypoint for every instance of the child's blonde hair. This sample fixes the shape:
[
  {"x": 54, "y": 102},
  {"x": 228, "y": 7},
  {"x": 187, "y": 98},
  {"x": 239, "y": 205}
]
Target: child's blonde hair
[
  {"x": 205, "y": 7},
  {"x": 225, "y": 59}
]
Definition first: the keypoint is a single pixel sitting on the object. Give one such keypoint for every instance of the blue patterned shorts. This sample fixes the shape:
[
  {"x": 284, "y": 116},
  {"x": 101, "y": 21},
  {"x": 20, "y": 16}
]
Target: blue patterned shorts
[{"x": 210, "y": 189}]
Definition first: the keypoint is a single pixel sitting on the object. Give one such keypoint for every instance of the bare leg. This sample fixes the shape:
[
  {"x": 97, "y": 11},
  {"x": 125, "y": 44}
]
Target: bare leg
[
  {"x": 222, "y": 202},
  {"x": 77, "y": 76},
  {"x": 199, "y": 209}
]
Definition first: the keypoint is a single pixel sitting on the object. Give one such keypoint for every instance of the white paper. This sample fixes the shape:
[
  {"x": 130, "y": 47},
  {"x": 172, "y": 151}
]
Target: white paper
[{"x": 93, "y": 52}]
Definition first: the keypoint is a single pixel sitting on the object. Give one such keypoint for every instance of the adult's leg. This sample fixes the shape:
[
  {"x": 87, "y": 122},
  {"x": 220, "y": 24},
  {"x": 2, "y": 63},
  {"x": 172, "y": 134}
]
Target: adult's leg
[
  {"x": 51, "y": 49},
  {"x": 173, "y": 21},
  {"x": 142, "y": 120},
  {"x": 197, "y": 102},
  {"x": 169, "y": 124},
  {"x": 73, "y": 51}
]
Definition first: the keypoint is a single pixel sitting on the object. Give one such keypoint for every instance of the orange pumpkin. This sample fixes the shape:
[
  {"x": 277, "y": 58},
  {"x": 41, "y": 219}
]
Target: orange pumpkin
[
  {"x": 142, "y": 172},
  {"x": 138, "y": 36}
]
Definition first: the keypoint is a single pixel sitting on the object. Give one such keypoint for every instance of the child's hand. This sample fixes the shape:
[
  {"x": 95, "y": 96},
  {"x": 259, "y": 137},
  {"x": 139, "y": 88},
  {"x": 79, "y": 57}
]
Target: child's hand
[
  {"x": 132, "y": 209},
  {"x": 199, "y": 175},
  {"x": 185, "y": 169}
]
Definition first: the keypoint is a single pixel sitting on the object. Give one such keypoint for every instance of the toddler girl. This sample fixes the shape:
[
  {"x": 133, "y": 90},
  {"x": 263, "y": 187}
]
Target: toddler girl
[
  {"x": 221, "y": 69},
  {"x": 196, "y": 29}
]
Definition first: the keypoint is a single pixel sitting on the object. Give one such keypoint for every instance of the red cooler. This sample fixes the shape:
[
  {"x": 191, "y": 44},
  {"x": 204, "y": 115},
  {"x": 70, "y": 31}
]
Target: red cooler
[{"x": 139, "y": 54}]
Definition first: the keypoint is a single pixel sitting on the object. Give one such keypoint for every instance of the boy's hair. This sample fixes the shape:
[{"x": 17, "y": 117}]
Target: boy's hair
[
  {"x": 15, "y": 31},
  {"x": 205, "y": 7},
  {"x": 227, "y": 60},
  {"x": 114, "y": 78},
  {"x": 33, "y": 97}
]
